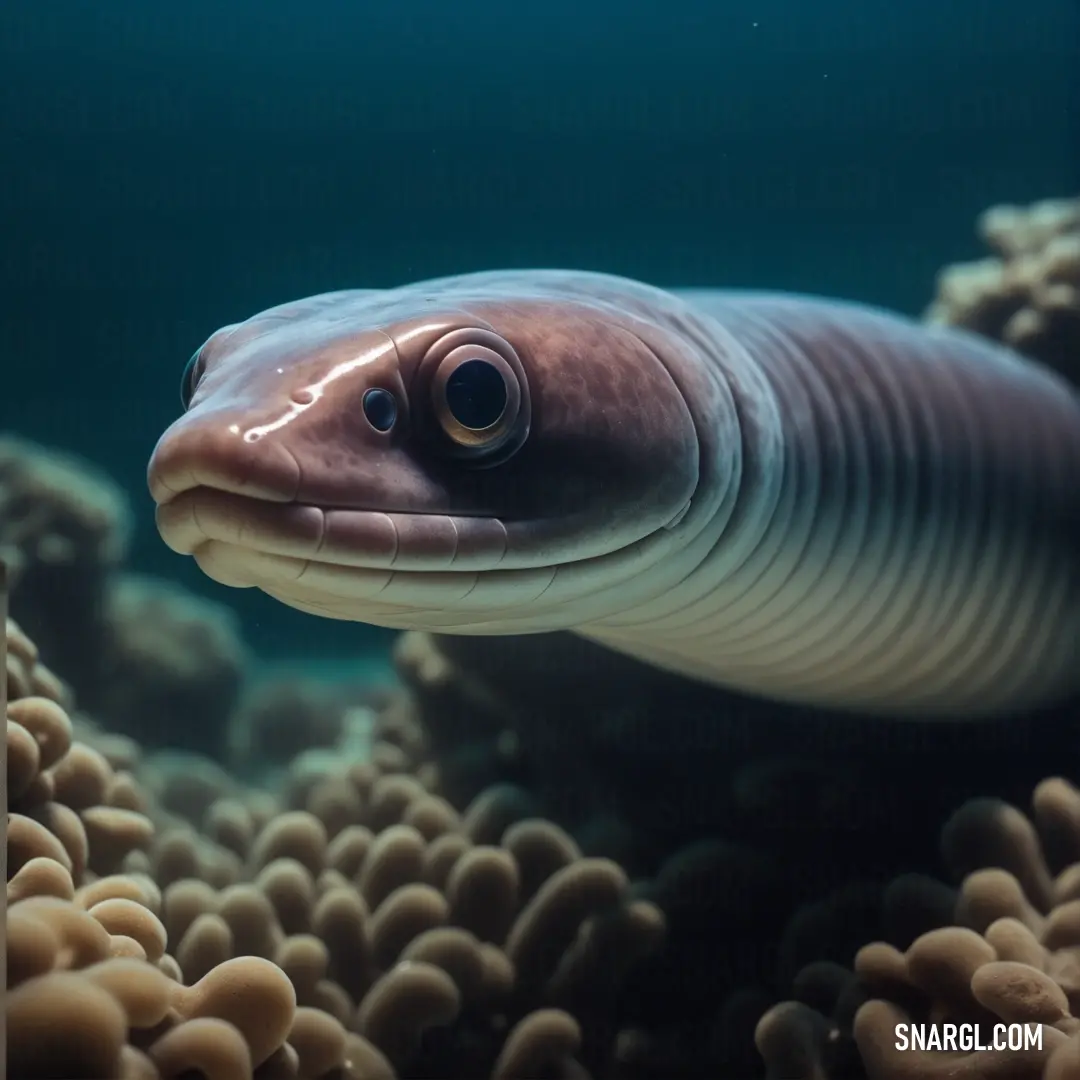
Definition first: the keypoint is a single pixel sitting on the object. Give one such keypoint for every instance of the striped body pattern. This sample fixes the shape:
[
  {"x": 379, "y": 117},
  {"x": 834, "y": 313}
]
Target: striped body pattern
[{"x": 910, "y": 538}]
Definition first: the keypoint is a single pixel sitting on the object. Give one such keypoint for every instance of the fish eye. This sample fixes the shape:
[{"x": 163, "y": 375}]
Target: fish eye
[
  {"x": 476, "y": 394},
  {"x": 189, "y": 380},
  {"x": 380, "y": 408},
  {"x": 476, "y": 397}
]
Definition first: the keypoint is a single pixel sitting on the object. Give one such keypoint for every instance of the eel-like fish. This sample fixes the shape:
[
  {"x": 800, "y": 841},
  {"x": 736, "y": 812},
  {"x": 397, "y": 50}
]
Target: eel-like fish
[{"x": 800, "y": 498}]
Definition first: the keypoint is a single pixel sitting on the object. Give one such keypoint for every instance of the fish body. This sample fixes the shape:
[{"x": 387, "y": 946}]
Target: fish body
[{"x": 800, "y": 498}]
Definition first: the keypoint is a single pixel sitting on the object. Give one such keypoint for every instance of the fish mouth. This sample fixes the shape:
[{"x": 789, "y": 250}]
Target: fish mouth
[
  {"x": 337, "y": 536},
  {"x": 432, "y": 571},
  {"x": 401, "y": 569},
  {"x": 253, "y": 503},
  {"x": 398, "y": 570}
]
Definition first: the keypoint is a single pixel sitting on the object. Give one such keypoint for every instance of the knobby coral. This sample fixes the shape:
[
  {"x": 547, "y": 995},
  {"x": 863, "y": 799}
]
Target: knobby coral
[
  {"x": 142, "y": 654},
  {"x": 376, "y": 932},
  {"x": 1027, "y": 294},
  {"x": 170, "y": 662},
  {"x": 64, "y": 526},
  {"x": 1012, "y": 957}
]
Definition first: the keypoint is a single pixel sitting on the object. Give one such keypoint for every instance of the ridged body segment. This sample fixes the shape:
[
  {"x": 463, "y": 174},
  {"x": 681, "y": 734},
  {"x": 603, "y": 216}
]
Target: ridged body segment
[{"x": 916, "y": 548}]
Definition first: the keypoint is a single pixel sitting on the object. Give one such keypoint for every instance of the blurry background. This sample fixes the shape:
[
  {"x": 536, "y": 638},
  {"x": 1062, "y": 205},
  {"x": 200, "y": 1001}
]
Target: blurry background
[{"x": 167, "y": 168}]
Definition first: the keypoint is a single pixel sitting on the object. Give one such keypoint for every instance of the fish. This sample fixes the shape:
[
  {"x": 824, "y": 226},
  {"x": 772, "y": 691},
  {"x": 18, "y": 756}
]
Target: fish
[{"x": 804, "y": 499}]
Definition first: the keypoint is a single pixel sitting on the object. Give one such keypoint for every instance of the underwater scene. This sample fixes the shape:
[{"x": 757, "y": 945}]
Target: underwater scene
[{"x": 541, "y": 542}]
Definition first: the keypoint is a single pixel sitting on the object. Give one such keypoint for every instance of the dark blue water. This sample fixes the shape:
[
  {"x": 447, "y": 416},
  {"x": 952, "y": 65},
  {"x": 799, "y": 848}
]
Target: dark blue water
[{"x": 169, "y": 168}]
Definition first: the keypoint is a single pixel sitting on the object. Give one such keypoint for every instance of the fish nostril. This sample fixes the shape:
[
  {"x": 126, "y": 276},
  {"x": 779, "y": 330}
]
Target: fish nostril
[
  {"x": 303, "y": 397},
  {"x": 380, "y": 407}
]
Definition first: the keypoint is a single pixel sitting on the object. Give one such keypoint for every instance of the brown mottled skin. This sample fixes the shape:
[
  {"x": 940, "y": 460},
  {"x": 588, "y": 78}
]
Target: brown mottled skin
[{"x": 800, "y": 498}]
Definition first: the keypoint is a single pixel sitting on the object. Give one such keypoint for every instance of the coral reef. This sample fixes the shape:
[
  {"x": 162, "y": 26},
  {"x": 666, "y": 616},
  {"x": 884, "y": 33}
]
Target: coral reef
[
  {"x": 1027, "y": 294},
  {"x": 377, "y": 932},
  {"x": 172, "y": 664},
  {"x": 764, "y": 846},
  {"x": 1011, "y": 955},
  {"x": 282, "y": 717},
  {"x": 63, "y": 527},
  {"x": 509, "y": 867},
  {"x": 354, "y": 922},
  {"x": 353, "y": 865},
  {"x": 143, "y": 656}
]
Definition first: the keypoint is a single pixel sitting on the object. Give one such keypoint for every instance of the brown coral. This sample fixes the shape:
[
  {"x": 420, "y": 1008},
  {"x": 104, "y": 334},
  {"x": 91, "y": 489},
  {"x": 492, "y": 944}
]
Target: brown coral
[
  {"x": 172, "y": 664},
  {"x": 132, "y": 647},
  {"x": 1014, "y": 958},
  {"x": 64, "y": 526},
  {"x": 25, "y": 674},
  {"x": 1027, "y": 294},
  {"x": 353, "y": 942}
]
